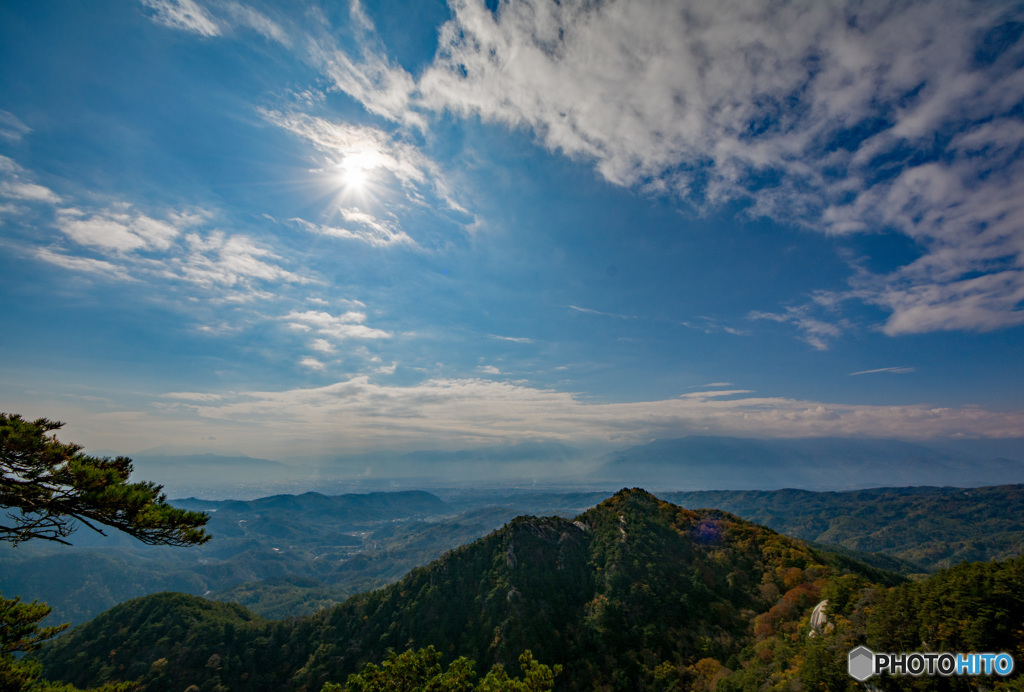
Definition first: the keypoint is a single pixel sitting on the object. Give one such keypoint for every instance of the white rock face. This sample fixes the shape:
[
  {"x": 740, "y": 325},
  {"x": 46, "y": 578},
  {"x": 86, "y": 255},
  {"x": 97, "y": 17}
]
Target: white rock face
[{"x": 819, "y": 619}]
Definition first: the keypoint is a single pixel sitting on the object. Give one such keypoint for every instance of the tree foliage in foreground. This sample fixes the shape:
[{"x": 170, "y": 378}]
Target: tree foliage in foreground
[
  {"x": 52, "y": 487},
  {"x": 421, "y": 671},
  {"x": 20, "y": 633}
]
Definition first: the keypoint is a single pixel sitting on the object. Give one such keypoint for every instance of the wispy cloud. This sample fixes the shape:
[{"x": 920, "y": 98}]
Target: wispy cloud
[
  {"x": 178, "y": 257},
  {"x": 16, "y": 183},
  {"x": 589, "y": 311},
  {"x": 85, "y": 265},
  {"x": 219, "y": 259},
  {"x": 186, "y": 15},
  {"x": 812, "y": 330},
  {"x": 219, "y": 20},
  {"x": 370, "y": 77},
  {"x": 515, "y": 339},
  {"x": 243, "y": 15},
  {"x": 370, "y": 146},
  {"x": 709, "y": 325},
  {"x": 717, "y": 393},
  {"x": 894, "y": 370},
  {"x": 117, "y": 241},
  {"x": 233, "y": 264},
  {"x": 365, "y": 227},
  {"x": 11, "y": 128}
]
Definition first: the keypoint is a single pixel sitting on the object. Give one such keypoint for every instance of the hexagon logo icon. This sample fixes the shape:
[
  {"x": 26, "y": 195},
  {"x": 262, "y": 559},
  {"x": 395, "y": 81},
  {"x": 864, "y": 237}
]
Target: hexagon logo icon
[{"x": 862, "y": 663}]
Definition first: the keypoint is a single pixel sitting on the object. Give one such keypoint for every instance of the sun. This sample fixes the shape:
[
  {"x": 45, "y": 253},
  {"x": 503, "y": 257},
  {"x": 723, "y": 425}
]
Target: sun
[
  {"x": 356, "y": 171},
  {"x": 355, "y": 178}
]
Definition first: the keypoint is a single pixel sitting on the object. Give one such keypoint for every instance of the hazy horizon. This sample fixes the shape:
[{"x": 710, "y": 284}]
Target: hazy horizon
[{"x": 695, "y": 463}]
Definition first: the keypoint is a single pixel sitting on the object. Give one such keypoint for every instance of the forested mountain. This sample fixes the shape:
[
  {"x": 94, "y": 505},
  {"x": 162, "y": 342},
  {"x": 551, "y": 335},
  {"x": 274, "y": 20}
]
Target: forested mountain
[
  {"x": 929, "y": 527},
  {"x": 327, "y": 555},
  {"x": 633, "y": 592}
]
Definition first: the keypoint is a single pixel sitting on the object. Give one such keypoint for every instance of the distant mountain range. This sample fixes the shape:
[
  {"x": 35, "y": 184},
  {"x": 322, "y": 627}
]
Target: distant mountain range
[{"x": 634, "y": 594}]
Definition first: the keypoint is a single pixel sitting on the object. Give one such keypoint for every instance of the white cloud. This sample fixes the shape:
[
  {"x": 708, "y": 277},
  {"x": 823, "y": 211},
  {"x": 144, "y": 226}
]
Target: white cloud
[
  {"x": 117, "y": 231},
  {"x": 322, "y": 345},
  {"x": 218, "y": 329},
  {"x": 489, "y": 370},
  {"x": 230, "y": 260},
  {"x": 982, "y": 304},
  {"x": 190, "y": 16},
  {"x": 357, "y": 413},
  {"x": 15, "y": 183},
  {"x": 348, "y": 325},
  {"x": 386, "y": 369},
  {"x": 233, "y": 262},
  {"x": 311, "y": 363},
  {"x": 811, "y": 113},
  {"x": 186, "y": 15},
  {"x": 28, "y": 192},
  {"x": 840, "y": 117},
  {"x": 139, "y": 246}
]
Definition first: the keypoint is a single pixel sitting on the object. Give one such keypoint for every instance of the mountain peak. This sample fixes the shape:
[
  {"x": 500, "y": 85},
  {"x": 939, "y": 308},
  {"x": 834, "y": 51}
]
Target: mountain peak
[
  {"x": 642, "y": 580},
  {"x": 637, "y": 497}
]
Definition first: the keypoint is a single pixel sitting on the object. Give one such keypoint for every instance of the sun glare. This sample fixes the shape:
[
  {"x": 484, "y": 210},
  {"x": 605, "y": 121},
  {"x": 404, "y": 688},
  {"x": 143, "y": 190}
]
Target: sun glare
[
  {"x": 354, "y": 178},
  {"x": 355, "y": 172}
]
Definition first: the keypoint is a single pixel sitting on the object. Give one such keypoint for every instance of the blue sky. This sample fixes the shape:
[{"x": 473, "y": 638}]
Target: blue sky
[{"x": 301, "y": 228}]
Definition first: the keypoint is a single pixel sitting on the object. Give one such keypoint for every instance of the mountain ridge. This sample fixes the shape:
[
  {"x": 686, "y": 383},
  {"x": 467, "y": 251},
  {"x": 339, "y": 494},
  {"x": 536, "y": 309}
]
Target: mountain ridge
[{"x": 637, "y": 580}]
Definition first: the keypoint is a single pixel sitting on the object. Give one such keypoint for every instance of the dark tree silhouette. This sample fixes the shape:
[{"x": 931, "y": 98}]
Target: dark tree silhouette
[{"x": 51, "y": 487}]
